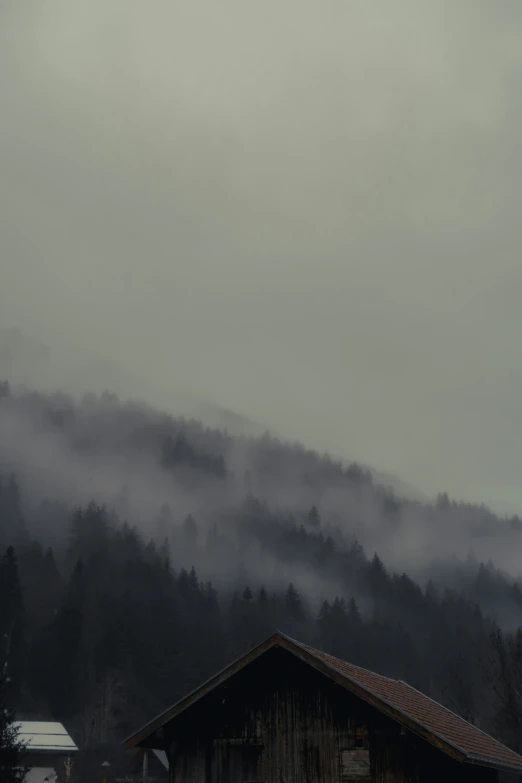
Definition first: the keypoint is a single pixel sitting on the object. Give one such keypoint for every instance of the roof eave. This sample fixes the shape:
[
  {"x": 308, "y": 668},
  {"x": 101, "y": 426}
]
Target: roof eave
[
  {"x": 47, "y": 749},
  {"x": 484, "y": 761}
]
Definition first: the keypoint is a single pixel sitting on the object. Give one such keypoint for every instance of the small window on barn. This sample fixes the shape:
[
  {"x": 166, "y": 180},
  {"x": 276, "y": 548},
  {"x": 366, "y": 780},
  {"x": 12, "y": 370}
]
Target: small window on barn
[{"x": 360, "y": 737}]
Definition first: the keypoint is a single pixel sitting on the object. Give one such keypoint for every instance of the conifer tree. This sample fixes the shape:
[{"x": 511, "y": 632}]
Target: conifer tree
[{"x": 11, "y": 749}]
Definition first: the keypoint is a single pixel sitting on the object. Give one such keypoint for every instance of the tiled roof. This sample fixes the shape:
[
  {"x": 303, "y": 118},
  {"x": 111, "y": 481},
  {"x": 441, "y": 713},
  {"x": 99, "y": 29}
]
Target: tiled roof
[{"x": 431, "y": 715}]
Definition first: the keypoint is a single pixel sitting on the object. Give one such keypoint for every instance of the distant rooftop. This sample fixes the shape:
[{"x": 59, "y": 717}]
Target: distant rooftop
[{"x": 45, "y": 736}]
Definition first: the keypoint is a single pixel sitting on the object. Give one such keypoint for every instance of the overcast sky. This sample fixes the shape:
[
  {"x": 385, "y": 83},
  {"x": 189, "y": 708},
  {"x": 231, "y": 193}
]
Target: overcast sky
[{"x": 307, "y": 212}]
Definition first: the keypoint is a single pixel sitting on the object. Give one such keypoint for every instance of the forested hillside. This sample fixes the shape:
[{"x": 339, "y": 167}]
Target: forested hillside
[{"x": 142, "y": 553}]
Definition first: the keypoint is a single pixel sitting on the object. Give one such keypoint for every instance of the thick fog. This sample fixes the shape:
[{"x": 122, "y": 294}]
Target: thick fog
[
  {"x": 249, "y": 497},
  {"x": 305, "y": 213}
]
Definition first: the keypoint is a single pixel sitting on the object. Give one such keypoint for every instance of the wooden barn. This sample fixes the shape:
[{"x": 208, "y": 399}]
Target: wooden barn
[{"x": 287, "y": 713}]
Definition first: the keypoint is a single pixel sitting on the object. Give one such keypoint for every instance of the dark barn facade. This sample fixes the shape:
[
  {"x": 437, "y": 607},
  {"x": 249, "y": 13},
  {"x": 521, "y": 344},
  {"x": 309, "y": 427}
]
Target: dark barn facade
[{"x": 286, "y": 713}]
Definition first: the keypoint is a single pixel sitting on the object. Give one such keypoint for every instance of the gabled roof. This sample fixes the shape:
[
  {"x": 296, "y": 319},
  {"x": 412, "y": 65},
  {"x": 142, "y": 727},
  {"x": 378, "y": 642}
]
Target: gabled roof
[
  {"x": 44, "y": 736},
  {"x": 400, "y": 701}
]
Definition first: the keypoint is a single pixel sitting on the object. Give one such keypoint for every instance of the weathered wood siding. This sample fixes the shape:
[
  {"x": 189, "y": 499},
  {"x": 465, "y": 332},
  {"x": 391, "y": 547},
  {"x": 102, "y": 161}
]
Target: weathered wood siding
[{"x": 279, "y": 721}]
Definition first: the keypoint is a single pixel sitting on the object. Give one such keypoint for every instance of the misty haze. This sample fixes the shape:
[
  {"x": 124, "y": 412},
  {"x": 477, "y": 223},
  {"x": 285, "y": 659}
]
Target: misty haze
[{"x": 260, "y": 370}]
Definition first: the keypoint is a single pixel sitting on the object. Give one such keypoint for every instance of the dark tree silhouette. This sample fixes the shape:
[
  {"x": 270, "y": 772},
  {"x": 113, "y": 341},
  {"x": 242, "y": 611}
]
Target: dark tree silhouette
[{"x": 11, "y": 748}]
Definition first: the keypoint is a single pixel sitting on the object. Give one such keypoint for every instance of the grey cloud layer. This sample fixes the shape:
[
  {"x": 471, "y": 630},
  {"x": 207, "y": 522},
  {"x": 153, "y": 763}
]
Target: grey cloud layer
[{"x": 307, "y": 212}]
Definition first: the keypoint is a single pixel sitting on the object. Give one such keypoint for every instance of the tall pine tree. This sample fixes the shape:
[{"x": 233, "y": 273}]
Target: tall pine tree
[{"x": 11, "y": 749}]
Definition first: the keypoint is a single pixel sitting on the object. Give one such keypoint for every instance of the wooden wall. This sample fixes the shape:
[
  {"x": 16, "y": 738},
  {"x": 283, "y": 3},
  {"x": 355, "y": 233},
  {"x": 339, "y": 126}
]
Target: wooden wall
[{"x": 279, "y": 721}]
